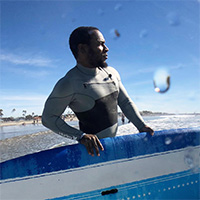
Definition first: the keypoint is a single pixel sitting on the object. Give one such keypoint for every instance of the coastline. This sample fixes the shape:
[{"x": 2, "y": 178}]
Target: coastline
[
  {"x": 143, "y": 114},
  {"x": 18, "y": 123},
  {"x": 24, "y": 122}
]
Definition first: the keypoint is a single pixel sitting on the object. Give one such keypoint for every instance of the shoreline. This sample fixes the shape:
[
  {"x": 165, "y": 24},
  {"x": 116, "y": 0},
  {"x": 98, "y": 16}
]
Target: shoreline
[
  {"x": 24, "y": 122},
  {"x": 18, "y": 123}
]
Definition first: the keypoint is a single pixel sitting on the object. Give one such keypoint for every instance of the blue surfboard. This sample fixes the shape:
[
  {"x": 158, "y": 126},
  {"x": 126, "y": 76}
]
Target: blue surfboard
[{"x": 137, "y": 166}]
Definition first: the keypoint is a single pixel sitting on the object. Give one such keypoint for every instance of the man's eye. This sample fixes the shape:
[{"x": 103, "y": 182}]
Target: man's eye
[{"x": 102, "y": 43}]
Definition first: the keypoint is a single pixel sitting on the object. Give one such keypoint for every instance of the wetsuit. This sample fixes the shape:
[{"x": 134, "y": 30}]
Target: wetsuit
[{"x": 93, "y": 95}]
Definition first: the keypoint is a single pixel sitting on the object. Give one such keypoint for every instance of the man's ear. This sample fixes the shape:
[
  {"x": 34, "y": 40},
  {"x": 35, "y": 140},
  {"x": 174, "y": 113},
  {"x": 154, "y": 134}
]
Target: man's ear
[{"x": 83, "y": 48}]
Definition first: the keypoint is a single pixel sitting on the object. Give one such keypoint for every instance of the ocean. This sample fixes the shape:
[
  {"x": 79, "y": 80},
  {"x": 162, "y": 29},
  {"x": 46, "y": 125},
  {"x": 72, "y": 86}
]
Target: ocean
[{"x": 20, "y": 140}]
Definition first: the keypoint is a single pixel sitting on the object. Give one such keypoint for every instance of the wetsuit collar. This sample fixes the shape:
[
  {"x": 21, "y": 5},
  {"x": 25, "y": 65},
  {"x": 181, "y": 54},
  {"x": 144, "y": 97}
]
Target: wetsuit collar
[{"x": 86, "y": 70}]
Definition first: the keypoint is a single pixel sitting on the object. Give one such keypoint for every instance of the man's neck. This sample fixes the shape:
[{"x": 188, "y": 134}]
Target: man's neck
[
  {"x": 87, "y": 70},
  {"x": 85, "y": 64}
]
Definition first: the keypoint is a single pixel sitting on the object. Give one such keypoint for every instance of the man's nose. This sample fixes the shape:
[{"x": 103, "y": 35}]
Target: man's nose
[{"x": 106, "y": 48}]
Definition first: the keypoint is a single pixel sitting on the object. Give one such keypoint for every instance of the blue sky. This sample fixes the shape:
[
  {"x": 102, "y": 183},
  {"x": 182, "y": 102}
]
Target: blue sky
[{"x": 153, "y": 35}]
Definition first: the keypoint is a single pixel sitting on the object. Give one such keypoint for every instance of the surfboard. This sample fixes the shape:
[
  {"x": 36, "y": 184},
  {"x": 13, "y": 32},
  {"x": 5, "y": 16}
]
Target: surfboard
[{"x": 135, "y": 166}]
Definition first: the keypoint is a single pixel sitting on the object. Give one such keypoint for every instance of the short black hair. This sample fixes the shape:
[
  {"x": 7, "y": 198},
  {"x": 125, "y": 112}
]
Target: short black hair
[{"x": 80, "y": 35}]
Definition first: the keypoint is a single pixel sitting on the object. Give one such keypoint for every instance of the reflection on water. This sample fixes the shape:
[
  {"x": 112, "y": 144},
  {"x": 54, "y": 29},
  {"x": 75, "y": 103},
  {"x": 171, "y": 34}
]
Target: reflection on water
[
  {"x": 19, "y": 130},
  {"x": 13, "y": 131}
]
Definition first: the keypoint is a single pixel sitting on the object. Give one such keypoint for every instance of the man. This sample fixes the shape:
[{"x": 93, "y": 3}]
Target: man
[{"x": 92, "y": 90}]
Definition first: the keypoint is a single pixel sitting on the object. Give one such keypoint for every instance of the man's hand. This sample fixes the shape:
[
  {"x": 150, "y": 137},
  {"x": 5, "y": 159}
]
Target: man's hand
[
  {"x": 147, "y": 129},
  {"x": 91, "y": 142}
]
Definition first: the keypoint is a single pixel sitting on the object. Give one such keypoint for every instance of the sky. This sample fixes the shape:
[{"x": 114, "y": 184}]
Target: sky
[{"x": 153, "y": 35}]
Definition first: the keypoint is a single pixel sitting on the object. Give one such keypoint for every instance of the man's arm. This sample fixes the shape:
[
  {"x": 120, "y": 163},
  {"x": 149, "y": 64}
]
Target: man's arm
[
  {"x": 130, "y": 110},
  {"x": 55, "y": 105},
  {"x": 51, "y": 118}
]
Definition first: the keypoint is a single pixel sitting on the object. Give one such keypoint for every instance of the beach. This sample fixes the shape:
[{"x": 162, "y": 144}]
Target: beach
[
  {"x": 17, "y": 123},
  {"x": 25, "y": 122}
]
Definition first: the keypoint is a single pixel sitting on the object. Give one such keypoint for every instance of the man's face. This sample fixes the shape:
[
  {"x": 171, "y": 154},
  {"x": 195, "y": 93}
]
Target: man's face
[{"x": 97, "y": 53}]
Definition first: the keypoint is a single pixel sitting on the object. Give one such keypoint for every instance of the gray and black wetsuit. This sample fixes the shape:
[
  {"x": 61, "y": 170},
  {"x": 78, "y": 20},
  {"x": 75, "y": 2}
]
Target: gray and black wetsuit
[{"x": 93, "y": 95}]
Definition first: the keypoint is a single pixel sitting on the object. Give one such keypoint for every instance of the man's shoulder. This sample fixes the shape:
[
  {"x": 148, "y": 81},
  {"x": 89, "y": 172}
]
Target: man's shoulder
[
  {"x": 110, "y": 68},
  {"x": 71, "y": 72},
  {"x": 64, "y": 85},
  {"x": 68, "y": 78}
]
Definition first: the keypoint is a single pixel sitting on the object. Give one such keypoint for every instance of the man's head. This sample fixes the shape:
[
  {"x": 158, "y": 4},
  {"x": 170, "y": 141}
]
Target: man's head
[{"x": 88, "y": 46}]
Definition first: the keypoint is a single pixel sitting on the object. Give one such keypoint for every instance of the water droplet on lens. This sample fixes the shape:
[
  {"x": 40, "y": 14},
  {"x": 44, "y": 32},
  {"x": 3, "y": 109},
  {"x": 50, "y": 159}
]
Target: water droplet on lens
[
  {"x": 114, "y": 33},
  {"x": 189, "y": 161},
  {"x": 63, "y": 15},
  {"x": 118, "y": 7},
  {"x": 173, "y": 19},
  {"x": 73, "y": 20},
  {"x": 168, "y": 140},
  {"x": 143, "y": 33},
  {"x": 192, "y": 95},
  {"x": 100, "y": 12},
  {"x": 161, "y": 80}
]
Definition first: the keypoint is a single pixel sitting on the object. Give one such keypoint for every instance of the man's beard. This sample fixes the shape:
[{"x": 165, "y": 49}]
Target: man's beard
[
  {"x": 94, "y": 62},
  {"x": 103, "y": 64}
]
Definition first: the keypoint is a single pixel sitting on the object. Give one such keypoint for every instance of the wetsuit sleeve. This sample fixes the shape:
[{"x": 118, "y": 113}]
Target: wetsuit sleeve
[
  {"x": 55, "y": 105},
  {"x": 128, "y": 107},
  {"x": 126, "y": 104}
]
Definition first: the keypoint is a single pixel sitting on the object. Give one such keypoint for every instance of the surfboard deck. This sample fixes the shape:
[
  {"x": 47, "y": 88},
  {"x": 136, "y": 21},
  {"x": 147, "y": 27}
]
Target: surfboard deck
[{"x": 165, "y": 166}]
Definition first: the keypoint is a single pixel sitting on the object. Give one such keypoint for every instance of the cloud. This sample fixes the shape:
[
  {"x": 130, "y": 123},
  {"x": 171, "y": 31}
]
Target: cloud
[
  {"x": 33, "y": 60},
  {"x": 30, "y": 73},
  {"x": 28, "y": 101},
  {"x": 23, "y": 98},
  {"x": 154, "y": 69},
  {"x": 146, "y": 82}
]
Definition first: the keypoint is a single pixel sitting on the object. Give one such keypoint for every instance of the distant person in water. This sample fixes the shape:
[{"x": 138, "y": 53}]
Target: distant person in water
[
  {"x": 92, "y": 90},
  {"x": 123, "y": 118}
]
